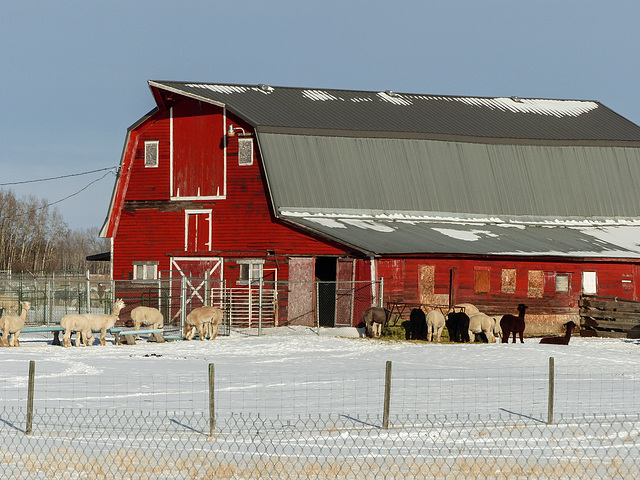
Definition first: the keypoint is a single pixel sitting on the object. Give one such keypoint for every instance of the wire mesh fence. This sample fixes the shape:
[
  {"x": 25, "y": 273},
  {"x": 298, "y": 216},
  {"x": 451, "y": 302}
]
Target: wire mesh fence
[
  {"x": 148, "y": 424},
  {"x": 80, "y": 443},
  {"x": 246, "y": 304}
]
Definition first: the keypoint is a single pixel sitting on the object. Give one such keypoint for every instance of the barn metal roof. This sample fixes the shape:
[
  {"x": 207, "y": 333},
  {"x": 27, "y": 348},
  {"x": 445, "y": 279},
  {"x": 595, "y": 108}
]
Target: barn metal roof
[
  {"x": 346, "y": 111},
  {"x": 392, "y": 173}
]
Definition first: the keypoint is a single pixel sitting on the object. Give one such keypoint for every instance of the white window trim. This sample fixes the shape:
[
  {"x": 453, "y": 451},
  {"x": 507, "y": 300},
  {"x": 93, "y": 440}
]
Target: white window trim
[
  {"x": 589, "y": 282},
  {"x": 251, "y": 262},
  {"x": 145, "y": 269},
  {"x": 249, "y": 141},
  {"x": 157, "y": 145},
  {"x": 209, "y": 213}
]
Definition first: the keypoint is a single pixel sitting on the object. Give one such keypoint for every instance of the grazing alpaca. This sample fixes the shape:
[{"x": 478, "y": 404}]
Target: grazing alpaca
[
  {"x": 102, "y": 322},
  {"x": 467, "y": 308},
  {"x": 80, "y": 324},
  {"x": 205, "y": 320},
  {"x": 560, "y": 340},
  {"x": 479, "y": 323},
  {"x": 497, "y": 330},
  {"x": 435, "y": 324},
  {"x": 374, "y": 319},
  {"x": 146, "y": 316},
  {"x": 511, "y": 324},
  {"x": 417, "y": 325},
  {"x": 458, "y": 325},
  {"x": 13, "y": 325}
]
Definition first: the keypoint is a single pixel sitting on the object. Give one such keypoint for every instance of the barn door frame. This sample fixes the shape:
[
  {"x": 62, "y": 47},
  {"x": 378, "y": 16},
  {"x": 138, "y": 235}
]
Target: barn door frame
[{"x": 189, "y": 288}]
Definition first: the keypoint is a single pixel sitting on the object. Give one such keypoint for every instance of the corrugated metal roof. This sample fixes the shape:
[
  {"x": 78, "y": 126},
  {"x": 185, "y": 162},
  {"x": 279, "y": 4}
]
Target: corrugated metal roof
[
  {"x": 366, "y": 111},
  {"x": 451, "y": 177},
  {"x": 405, "y": 234}
]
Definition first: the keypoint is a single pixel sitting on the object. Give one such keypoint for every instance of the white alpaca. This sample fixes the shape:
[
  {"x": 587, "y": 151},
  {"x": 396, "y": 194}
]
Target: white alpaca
[
  {"x": 205, "y": 320},
  {"x": 497, "y": 329},
  {"x": 481, "y": 323},
  {"x": 435, "y": 324},
  {"x": 13, "y": 325},
  {"x": 102, "y": 321},
  {"x": 78, "y": 323},
  {"x": 467, "y": 308},
  {"x": 146, "y": 316}
]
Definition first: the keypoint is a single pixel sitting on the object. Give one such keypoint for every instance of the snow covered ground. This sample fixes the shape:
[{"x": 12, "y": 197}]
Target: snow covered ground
[{"x": 304, "y": 394}]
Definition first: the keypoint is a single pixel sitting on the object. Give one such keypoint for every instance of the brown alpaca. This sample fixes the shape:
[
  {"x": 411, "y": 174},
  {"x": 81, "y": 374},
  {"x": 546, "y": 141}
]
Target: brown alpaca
[
  {"x": 560, "y": 340},
  {"x": 511, "y": 324}
]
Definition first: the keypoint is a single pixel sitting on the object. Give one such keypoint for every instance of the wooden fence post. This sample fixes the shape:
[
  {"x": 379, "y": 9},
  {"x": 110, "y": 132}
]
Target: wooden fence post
[
  {"x": 551, "y": 391},
  {"x": 32, "y": 375},
  {"x": 212, "y": 401},
  {"x": 387, "y": 396}
]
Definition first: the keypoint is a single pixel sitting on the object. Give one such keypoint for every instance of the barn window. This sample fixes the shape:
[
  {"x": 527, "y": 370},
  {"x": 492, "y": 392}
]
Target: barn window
[
  {"x": 250, "y": 271},
  {"x": 143, "y": 271},
  {"x": 589, "y": 283},
  {"x": 508, "y": 280},
  {"x": 481, "y": 284},
  {"x": 151, "y": 154},
  {"x": 562, "y": 283},
  {"x": 536, "y": 284},
  {"x": 245, "y": 151}
]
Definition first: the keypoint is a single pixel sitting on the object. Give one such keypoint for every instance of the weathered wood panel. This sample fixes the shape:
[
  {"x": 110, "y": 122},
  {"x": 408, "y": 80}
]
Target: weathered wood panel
[{"x": 610, "y": 317}]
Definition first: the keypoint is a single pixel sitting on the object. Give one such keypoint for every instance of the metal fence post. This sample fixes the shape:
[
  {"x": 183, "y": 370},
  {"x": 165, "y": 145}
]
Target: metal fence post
[
  {"x": 261, "y": 285},
  {"x": 551, "y": 391},
  {"x": 387, "y": 396},
  {"x": 32, "y": 375},
  {"x": 212, "y": 400},
  {"x": 183, "y": 306}
]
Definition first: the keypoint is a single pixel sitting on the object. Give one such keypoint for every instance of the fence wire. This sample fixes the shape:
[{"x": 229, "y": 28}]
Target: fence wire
[{"x": 88, "y": 443}]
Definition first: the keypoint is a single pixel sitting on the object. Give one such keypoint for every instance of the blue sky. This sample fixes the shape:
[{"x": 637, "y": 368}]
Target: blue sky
[{"x": 74, "y": 73}]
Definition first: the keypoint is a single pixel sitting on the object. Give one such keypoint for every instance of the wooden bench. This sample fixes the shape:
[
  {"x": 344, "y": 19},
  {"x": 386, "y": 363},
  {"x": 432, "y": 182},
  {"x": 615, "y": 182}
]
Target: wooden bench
[
  {"x": 127, "y": 337},
  {"x": 56, "y": 329}
]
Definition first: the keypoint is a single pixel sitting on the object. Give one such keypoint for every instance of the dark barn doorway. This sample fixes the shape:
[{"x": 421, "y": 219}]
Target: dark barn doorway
[{"x": 326, "y": 276}]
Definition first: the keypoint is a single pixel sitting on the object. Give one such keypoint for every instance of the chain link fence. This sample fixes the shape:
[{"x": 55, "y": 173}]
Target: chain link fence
[{"x": 200, "y": 426}]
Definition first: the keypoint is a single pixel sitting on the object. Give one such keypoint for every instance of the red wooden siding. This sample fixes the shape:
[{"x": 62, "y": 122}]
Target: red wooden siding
[
  {"x": 489, "y": 284},
  {"x": 152, "y": 226},
  {"x": 198, "y": 151}
]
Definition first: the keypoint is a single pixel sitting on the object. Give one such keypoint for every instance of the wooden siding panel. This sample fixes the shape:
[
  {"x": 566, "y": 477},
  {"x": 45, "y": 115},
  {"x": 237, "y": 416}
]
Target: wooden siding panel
[
  {"x": 151, "y": 183},
  {"x": 198, "y": 150}
]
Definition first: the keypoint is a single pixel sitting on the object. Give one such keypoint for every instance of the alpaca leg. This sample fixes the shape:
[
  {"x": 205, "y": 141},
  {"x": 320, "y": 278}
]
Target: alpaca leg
[
  {"x": 472, "y": 336},
  {"x": 521, "y": 336},
  {"x": 214, "y": 331},
  {"x": 201, "y": 329}
]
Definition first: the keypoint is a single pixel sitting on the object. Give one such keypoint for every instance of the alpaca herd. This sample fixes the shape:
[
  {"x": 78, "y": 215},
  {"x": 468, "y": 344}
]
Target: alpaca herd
[
  {"x": 204, "y": 320},
  {"x": 465, "y": 323}
]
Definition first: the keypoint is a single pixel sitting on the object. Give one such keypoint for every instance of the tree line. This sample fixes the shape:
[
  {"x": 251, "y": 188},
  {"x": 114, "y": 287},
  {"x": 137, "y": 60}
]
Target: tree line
[{"x": 34, "y": 238}]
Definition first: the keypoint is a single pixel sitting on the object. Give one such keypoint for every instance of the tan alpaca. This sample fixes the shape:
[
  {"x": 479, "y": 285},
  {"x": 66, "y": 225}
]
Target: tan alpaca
[
  {"x": 146, "y": 316},
  {"x": 13, "y": 325},
  {"x": 102, "y": 321},
  {"x": 205, "y": 320}
]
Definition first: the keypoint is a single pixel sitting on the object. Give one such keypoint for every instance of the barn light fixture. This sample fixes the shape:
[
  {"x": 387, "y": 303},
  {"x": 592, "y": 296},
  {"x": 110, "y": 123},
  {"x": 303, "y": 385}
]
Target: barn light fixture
[{"x": 233, "y": 130}]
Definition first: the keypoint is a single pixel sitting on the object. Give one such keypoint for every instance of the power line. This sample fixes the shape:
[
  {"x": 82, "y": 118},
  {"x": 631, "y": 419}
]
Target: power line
[
  {"x": 61, "y": 176},
  {"x": 110, "y": 170}
]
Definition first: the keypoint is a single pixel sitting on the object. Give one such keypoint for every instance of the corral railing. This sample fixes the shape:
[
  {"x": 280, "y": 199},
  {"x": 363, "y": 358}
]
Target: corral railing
[{"x": 251, "y": 305}]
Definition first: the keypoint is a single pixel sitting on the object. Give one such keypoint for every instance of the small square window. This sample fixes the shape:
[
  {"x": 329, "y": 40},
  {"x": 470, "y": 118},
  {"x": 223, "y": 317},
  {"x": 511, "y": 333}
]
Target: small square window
[
  {"x": 562, "y": 283},
  {"x": 589, "y": 283},
  {"x": 250, "y": 272},
  {"x": 481, "y": 281},
  {"x": 508, "y": 280},
  {"x": 151, "y": 154},
  {"x": 245, "y": 151},
  {"x": 143, "y": 271},
  {"x": 535, "y": 287}
]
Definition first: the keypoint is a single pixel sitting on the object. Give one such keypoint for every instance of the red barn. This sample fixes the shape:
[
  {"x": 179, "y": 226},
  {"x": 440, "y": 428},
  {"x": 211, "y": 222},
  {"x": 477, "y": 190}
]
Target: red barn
[{"x": 490, "y": 201}]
